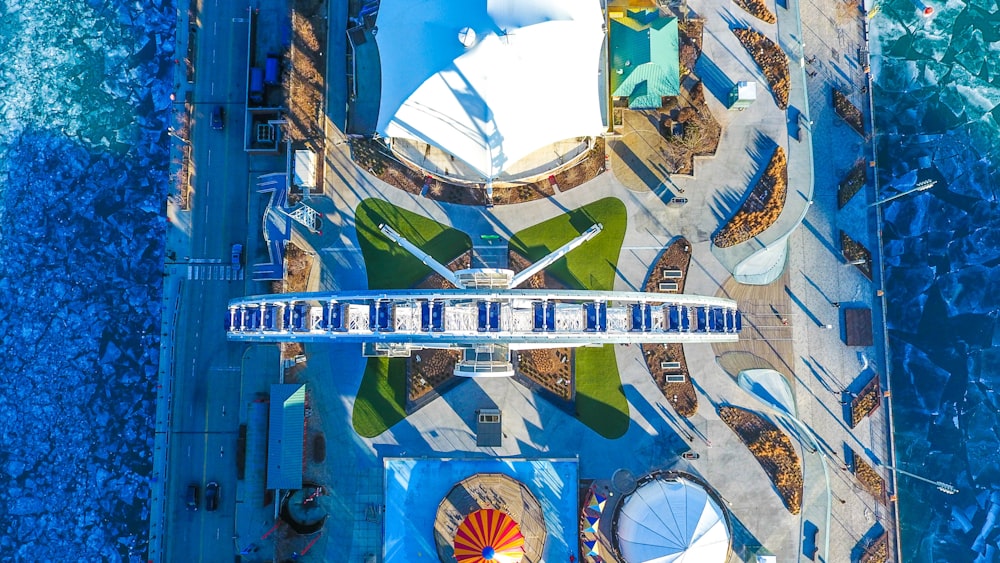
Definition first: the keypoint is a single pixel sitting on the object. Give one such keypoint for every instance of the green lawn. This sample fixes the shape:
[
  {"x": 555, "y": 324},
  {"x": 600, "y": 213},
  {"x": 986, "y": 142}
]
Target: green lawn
[
  {"x": 381, "y": 398},
  {"x": 600, "y": 400},
  {"x": 389, "y": 265},
  {"x": 591, "y": 266}
]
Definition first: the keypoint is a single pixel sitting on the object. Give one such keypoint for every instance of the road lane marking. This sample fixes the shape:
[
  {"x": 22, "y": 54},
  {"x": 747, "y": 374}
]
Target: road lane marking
[
  {"x": 213, "y": 56},
  {"x": 215, "y": 30},
  {"x": 209, "y": 157}
]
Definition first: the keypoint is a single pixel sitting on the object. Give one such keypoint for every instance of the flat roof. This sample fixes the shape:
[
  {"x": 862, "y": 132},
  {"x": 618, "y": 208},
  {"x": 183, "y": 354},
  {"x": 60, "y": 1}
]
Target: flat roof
[{"x": 286, "y": 434}]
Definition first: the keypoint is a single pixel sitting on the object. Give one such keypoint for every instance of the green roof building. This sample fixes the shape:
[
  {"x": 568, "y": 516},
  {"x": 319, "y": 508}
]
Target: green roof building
[{"x": 644, "y": 57}]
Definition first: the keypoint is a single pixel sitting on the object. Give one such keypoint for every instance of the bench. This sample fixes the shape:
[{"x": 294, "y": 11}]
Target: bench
[
  {"x": 676, "y": 378},
  {"x": 668, "y": 286},
  {"x": 672, "y": 274},
  {"x": 670, "y": 365}
]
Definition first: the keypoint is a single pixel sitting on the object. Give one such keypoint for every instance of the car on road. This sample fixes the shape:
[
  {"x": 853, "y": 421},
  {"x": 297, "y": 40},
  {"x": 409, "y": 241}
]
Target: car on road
[
  {"x": 211, "y": 496},
  {"x": 218, "y": 118},
  {"x": 237, "y": 254},
  {"x": 192, "y": 497}
]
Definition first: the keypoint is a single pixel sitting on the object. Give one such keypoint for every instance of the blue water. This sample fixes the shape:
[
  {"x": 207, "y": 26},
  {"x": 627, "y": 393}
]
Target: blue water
[
  {"x": 84, "y": 95},
  {"x": 936, "y": 97}
]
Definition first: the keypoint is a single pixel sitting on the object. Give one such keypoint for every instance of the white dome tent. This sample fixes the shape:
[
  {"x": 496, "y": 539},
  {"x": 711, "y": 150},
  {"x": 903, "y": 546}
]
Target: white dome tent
[
  {"x": 522, "y": 75},
  {"x": 671, "y": 519}
]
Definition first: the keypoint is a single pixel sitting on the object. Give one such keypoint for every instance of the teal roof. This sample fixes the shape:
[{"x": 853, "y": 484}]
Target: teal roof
[
  {"x": 644, "y": 48},
  {"x": 286, "y": 434}
]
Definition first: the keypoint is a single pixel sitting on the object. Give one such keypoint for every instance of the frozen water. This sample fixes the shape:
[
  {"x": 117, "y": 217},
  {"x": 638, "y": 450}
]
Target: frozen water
[
  {"x": 84, "y": 176},
  {"x": 940, "y": 76}
]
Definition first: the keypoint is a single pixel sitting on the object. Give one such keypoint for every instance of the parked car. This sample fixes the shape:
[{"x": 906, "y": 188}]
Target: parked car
[
  {"x": 237, "y": 256},
  {"x": 218, "y": 118},
  {"x": 192, "y": 497},
  {"x": 211, "y": 496}
]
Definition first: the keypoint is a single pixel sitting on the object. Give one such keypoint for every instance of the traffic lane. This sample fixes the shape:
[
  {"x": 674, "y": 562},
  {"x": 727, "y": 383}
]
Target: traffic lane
[{"x": 223, "y": 40}]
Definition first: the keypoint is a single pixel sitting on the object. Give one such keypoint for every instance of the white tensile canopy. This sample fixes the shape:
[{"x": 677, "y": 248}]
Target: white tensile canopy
[
  {"x": 490, "y": 81},
  {"x": 672, "y": 521}
]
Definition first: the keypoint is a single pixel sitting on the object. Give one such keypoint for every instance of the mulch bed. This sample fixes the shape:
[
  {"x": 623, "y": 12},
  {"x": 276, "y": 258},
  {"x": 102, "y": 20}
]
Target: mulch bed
[
  {"x": 681, "y": 395},
  {"x": 773, "y": 62},
  {"x": 773, "y": 450},
  {"x": 870, "y": 480},
  {"x": 866, "y": 402},
  {"x": 757, "y": 9},
  {"x": 306, "y": 67},
  {"x": 762, "y": 206},
  {"x": 378, "y": 160},
  {"x": 851, "y": 184},
  {"x": 848, "y": 112},
  {"x": 550, "y": 368},
  {"x": 875, "y": 551},
  {"x": 855, "y": 252},
  {"x": 689, "y": 128}
]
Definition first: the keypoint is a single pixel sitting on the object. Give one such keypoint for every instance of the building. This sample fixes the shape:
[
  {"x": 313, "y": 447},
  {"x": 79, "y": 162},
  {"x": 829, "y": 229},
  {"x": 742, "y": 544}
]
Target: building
[{"x": 644, "y": 57}]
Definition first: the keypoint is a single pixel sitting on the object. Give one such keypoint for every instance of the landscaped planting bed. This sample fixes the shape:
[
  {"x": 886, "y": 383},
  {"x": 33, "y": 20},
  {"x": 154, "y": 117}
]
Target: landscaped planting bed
[
  {"x": 856, "y": 253},
  {"x": 757, "y": 9},
  {"x": 773, "y": 450},
  {"x": 762, "y": 206},
  {"x": 550, "y": 368},
  {"x": 866, "y": 402},
  {"x": 851, "y": 184},
  {"x": 876, "y": 551},
  {"x": 848, "y": 112},
  {"x": 773, "y": 62},
  {"x": 870, "y": 480}
]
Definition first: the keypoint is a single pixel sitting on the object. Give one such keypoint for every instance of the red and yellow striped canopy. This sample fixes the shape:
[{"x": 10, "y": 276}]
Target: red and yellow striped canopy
[{"x": 489, "y": 536}]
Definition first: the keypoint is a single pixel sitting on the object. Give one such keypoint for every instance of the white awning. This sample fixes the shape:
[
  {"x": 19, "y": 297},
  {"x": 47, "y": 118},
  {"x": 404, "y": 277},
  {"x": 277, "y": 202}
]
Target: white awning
[
  {"x": 491, "y": 81},
  {"x": 672, "y": 521}
]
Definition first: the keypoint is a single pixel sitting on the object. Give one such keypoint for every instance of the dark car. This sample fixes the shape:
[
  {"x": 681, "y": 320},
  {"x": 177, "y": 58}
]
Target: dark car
[
  {"x": 211, "y": 496},
  {"x": 218, "y": 118},
  {"x": 237, "y": 254},
  {"x": 192, "y": 497}
]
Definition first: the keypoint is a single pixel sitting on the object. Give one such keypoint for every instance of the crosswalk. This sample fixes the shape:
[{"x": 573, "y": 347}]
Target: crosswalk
[{"x": 212, "y": 269}]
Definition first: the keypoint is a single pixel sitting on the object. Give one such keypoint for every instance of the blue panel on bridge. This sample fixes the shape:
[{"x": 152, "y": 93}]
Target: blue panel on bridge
[
  {"x": 425, "y": 316},
  {"x": 673, "y": 318},
  {"x": 739, "y": 321},
  {"x": 385, "y": 315},
  {"x": 437, "y": 316},
  {"x": 270, "y": 317},
  {"x": 333, "y": 316},
  {"x": 685, "y": 320},
  {"x": 539, "y": 308},
  {"x": 717, "y": 319},
  {"x": 636, "y": 317},
  {"x": 253, "y": 318},
  {"x": 647, "y": 317},
  {"x": 482, "y": 316},
  {"x": 230, "y": 320},
  {"x": 495, "y": 317},
  {"x": 373, "y": 315},
  {"x": 300, "y": 317},
  {"x": 602, "y": 316},
  {"x": 591, "y": 312},
  {"x": 550, "y": 316},
  {"x": 702, "y": 315}
]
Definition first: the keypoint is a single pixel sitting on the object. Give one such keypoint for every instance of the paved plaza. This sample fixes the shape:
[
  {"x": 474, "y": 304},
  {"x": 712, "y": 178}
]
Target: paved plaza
[{"x": 814, "y": 279}]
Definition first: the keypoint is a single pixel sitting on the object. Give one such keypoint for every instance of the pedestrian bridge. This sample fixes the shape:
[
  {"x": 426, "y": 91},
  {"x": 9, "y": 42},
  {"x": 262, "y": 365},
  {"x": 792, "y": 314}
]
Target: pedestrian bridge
[{"x": 486, "y": 324}]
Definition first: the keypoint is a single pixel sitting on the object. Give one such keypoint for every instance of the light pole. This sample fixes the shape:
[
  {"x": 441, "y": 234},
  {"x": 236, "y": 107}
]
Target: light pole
[
  {"x": 943, "y": 487},
  {"x": 921, "y": 186},
  {"x": 772, "y": 389}
]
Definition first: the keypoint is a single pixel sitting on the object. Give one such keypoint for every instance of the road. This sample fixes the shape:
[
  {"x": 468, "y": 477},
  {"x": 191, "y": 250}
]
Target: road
[{"x": 205, "y": 410}]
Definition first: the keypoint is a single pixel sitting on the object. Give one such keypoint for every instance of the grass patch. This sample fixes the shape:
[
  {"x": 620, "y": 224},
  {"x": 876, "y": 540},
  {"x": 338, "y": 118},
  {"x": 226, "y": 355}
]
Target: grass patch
[
  {"x": 381, "y": 397},
  {"x": 600, "y": 399},
  {"x": 592, "y": 266},
  {"x": 389, "y": 265}
]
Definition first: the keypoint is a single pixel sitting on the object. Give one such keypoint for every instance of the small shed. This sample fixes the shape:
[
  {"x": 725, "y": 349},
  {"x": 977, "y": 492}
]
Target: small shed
[
  {"x": 742, "y": 95},
  {"x": 488, "y": 428},
  {"x": 858, "y": 326}
]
